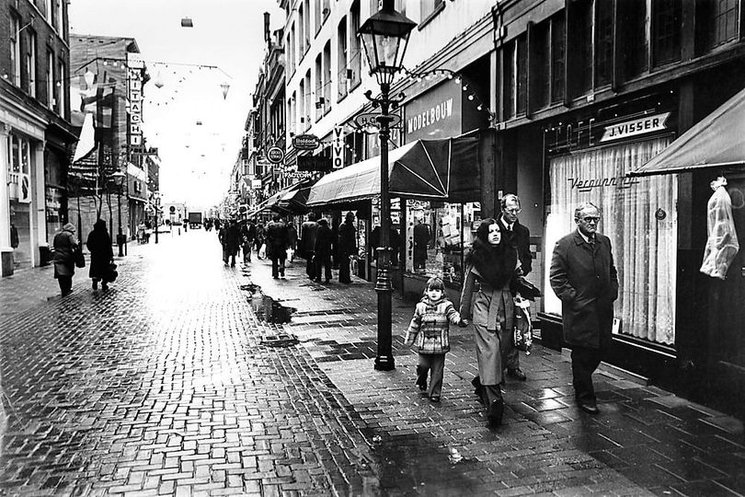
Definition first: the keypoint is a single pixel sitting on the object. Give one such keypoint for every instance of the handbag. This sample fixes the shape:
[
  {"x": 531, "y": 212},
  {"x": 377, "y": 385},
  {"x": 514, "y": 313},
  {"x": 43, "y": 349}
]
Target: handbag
[
  {"x": 78, "y": 257},
  {"x": 111, "y": 273},
  {"x": 522, "y": 336},
  {"x": 525, "y": 288}
]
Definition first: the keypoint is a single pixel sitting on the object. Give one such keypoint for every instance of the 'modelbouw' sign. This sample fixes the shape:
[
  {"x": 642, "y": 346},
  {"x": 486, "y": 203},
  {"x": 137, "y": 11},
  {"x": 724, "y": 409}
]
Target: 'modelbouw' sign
[{"x": 641, "y": 126}]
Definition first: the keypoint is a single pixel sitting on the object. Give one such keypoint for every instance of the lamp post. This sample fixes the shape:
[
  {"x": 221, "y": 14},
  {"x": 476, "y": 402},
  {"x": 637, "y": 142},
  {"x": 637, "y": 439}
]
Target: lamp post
[
  {"x": 157, "y": 209},
  {"x": 385, "y": 36},
  {"x": 119, "y": 178}
]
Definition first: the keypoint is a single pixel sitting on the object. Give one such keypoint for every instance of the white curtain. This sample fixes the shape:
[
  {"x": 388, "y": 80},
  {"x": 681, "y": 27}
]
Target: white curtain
[{"x": 639, "y": 216}]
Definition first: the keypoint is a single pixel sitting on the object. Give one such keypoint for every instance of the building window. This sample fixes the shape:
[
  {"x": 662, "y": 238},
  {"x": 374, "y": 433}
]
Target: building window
[
  {"x": 60, "y": 87},
  {"x": 430, "y": 8},
  {"x": 291, "y": 50},
  {"x": 307, "y": 25},
  {"x": 15, "y": 49},
  {"x": 644, "y": 245},
  {"x": 317, "y": 14},
  {"x": 558, "y": 57},
  {"x": 300, "y": 32},
  {"x": 50, "y": 80},
  {"x": 522, "y": 74},
  {"x": 55, "y": 14},
  {"x": 666, "y": 26},
  {"x": 342, "y": 81},
  {"x": 308, "y": 100},
  {"x": 319, "y": 87},
  {"x": 326, "y": 77},
  {"x": 508, "y": 79},
  {"x": 716, "y": 23},
  {"x": 540, "y": 70},
  {"x": 632, "y": 15},
  {"x": 31, "y": 63},
  {"x": 355, "y": 52},
  {"x": 326, "y": 9},
  {"x": 580, "y": 47},
  {"x": 603, "y": 42}
]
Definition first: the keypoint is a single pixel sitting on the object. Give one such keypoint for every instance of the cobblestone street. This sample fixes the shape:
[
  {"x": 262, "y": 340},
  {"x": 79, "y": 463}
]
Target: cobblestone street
[{"x": 168, "y": 384}]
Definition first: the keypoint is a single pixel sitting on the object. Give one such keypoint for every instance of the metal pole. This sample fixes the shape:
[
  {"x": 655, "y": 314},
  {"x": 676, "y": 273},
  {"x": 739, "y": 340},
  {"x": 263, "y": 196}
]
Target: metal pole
[
  {"x": 384, "y": 360},
  {"x": 119, "y": 235}
]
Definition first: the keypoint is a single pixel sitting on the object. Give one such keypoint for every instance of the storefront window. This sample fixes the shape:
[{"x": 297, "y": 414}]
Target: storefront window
[
  {"x": 438, "y": 235},
  {"x": 638, "y": 215}
]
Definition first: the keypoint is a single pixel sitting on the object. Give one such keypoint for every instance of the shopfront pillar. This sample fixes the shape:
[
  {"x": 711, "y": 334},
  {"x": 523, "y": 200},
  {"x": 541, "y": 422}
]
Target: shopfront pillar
[
  {"x": 39, "y": 242},
  {"x": 6, "y": 252}
]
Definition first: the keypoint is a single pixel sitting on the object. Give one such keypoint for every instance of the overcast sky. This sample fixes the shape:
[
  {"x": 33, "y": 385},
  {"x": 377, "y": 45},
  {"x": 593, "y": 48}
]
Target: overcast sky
[{"x": 197, "y": 131}]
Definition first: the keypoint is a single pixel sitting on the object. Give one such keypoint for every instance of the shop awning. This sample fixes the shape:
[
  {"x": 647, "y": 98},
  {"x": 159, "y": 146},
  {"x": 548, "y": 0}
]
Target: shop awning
[
  {"x": 446, "y": 170},
  {"x": 296, "y": 199},
  {"x": 716, "y": 141}
]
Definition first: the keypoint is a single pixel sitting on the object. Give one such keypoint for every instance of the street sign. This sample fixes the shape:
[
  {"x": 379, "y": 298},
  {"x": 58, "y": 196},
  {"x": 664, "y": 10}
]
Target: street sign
[
  {"x": 370, "y": 119},
  {"x": 306, "y": 142},
  {"x": 275, "y": 155}
]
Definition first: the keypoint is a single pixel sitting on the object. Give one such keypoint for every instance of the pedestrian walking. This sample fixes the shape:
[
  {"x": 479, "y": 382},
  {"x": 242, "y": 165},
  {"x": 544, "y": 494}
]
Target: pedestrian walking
[
  {"x": 518, "y": 236},
  {"x": 248, "y": 233},
  {"x": 276, "y": 245},
  {"x": 422, "y": 237},
  {"x": 291, "y": 240},
  {"x": 322, "y": 249},
  {"x": 584, "y": 277},
  {"x": 429, "y": 334},
  {"x": 308, "y": 233},
  {"x": 347, "y": 247},
  {"x": 394, "y": 243},
  {"x": 65, "y": 245},
  {"x": 102, "y": 255},
  {"x": 259, "y": 240},
  {"x": 486, "y": 298},
  {"x": 230, "y": 238}
]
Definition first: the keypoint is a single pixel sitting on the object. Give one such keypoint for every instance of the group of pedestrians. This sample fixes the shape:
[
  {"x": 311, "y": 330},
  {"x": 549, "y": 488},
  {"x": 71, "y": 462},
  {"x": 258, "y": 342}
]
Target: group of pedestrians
[
  {"x": 582, "y": 275},
  {"x": 317, "y": 243},
  {"x": 276, "y": 242},
  {"x": 68, "y": 254}
]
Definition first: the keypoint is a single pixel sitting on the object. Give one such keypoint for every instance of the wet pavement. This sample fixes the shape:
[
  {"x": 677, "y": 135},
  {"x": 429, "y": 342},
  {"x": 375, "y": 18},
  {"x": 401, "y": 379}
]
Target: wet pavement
[{"x": 191, "y": 378}]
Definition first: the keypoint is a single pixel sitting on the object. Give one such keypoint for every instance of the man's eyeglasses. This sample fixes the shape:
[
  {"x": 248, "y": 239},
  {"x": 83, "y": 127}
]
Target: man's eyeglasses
[
  {"x": 514, "y": 210},
  {"x": 591, "y": 219}
]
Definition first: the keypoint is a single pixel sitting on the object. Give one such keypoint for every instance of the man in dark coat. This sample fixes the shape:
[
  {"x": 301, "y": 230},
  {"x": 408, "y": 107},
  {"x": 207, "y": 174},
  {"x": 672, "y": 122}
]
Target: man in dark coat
[
  {"x": 276, "y": 245},
  {"x": 65, "y": 244},
  {"x": 518, "y": 236},
  {"x": 230, "y": 237},
  {"x": 394, "y": 240},
  {"x": 322, "y": 249},
  {"x": 584, "y": 277},
  {"x": 347, "y": 246},
  {"x": 308, "y": 231},
  {"x": 99, "y": 245}
]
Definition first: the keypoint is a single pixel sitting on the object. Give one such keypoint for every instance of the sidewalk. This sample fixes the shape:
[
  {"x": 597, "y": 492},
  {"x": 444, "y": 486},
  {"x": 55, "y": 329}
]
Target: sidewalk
[{"x": 646, "y": 441}]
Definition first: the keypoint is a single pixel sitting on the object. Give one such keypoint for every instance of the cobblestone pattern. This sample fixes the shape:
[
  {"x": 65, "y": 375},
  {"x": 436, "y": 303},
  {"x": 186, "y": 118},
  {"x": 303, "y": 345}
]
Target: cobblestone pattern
[
  {"x": 160, "y": 387},
  {"x": 646, "y": 441}
]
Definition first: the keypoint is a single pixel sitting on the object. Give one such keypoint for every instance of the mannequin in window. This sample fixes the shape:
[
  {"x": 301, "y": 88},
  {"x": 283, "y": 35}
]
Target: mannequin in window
[{"x": 422, "y": 235}]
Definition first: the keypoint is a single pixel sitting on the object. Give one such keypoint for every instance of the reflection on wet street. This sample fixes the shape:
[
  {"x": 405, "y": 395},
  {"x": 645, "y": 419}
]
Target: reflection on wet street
[{"x": 188, "y": 377}]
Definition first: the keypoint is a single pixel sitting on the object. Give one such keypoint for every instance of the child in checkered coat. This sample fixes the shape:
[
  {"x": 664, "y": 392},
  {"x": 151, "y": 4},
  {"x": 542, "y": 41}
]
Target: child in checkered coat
[{"x": 429, "y": 333}]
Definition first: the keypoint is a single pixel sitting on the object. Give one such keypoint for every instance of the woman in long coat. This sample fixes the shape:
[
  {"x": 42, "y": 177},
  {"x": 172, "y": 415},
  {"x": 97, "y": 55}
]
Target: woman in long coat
[
  {"x": 99, "y": 245},
  {"x": 486, "y": 298},
  {"x": 65, "y": 243}
]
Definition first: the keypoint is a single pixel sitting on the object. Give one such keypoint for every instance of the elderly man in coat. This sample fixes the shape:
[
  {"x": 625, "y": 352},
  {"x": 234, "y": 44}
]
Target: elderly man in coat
[{"x": 584, "y": 277}]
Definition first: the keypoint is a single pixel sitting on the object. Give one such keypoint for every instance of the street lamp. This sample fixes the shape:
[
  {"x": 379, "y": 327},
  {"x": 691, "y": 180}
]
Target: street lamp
[
  {"x": 157, "y": 209},
  {"x": 119, "y": 178},
  {"x": 385, "y": 36}
]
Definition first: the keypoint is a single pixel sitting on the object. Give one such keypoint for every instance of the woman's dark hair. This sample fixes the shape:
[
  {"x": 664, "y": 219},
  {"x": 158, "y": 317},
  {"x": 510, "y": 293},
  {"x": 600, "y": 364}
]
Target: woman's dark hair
[
  {"x": 495, "y": 263},
  {"x": 481, "y": 242}
]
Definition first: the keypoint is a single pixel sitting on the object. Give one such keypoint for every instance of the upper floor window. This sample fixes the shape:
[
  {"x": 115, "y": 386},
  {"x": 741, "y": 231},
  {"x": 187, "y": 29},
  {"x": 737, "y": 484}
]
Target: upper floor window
[
  {"x": 522, "y": 74},
  {"x": 341, "y": 36},
  {"x": 558, "y": 57},
  {"x": 319, "y": 88},
  {"x": 300, "y": 32},
  {"x": 317, "y": 14},
  {"x": 509, "y": 84},
  {"x": 61, "y": 106},
  {"x": 326, "y": 77},
  {"x": 666, "y": 26},
  {"x": 31, "y": 63},
  {"x": 291, "y": 50},
  {"x": 634, "y": 49},
  {"x": 15, "y": 49},
  {"x": 580, "y": 47},
  {"x": 307, "y": 25},
  {"x": 540, "y": 68},
  {"x": 603, "y": 42},
  {"x": 355, "y": 52},
  {"x": 55, "y": 7},
  {"x": 717, "y": 22},
  {"x": 50, "y": 79}
]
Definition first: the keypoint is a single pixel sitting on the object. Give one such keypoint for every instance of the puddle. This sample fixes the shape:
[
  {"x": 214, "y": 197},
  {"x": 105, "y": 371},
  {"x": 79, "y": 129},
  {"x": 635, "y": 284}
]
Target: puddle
[{"x": 266, "y": 308}]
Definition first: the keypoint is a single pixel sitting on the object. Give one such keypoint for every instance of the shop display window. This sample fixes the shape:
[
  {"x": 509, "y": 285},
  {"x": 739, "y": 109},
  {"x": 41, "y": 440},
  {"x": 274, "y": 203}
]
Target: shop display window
[
  {"x": 638, "y": 215},
  {"x": 438, "y": 235}
]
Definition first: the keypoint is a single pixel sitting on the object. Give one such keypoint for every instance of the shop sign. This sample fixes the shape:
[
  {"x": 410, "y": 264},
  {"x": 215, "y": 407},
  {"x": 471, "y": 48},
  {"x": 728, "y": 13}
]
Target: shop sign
[
  {"x": 644, "y": 125},
  {"x": 134, "y": 100},
  {"x": 435, "y": 114},
  {"x": 306, "y": 142},
  {"x": 337, "y": 148},
  {"x": 256, "y": 184},
  {"x": 313, "y": 163},
  {"x": 298, "y": 175},
  {"x": 275, "y": 155}
]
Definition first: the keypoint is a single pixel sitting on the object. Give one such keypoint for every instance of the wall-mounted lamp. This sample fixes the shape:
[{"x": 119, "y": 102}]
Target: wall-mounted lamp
[{"x": 186, "y": 22}]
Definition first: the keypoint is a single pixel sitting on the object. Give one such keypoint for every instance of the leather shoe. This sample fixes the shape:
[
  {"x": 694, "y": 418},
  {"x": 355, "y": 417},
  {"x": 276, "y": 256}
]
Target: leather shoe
[
  {"x": 517, "y": 374},
  {"x": 589, "y": 406},
  {"x": 435, "y": 398},
  {"x": 494, "y": 414}
]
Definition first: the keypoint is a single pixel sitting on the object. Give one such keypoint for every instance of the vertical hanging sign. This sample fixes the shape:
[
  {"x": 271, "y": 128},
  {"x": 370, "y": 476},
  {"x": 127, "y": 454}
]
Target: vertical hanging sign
[
  {"x": 337, "y": 148},
  {"x": 134, "y": 97}
]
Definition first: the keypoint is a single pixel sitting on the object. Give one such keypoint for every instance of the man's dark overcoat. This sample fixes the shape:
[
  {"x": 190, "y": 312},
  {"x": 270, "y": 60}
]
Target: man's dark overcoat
[{"x": 584, "y": 277}]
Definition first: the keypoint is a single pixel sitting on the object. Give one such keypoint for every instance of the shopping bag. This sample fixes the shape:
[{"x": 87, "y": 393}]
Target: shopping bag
[
  {"x": 111, "y": 273},
  {"x": 78, "y": 256},
  {"x": 262, "y": 251},
  {"x": 523, "y": 333}
]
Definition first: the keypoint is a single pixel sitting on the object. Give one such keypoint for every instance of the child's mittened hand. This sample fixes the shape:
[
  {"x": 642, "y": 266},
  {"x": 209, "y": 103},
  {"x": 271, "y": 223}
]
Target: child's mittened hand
[{"x": 463, "y": 323}]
